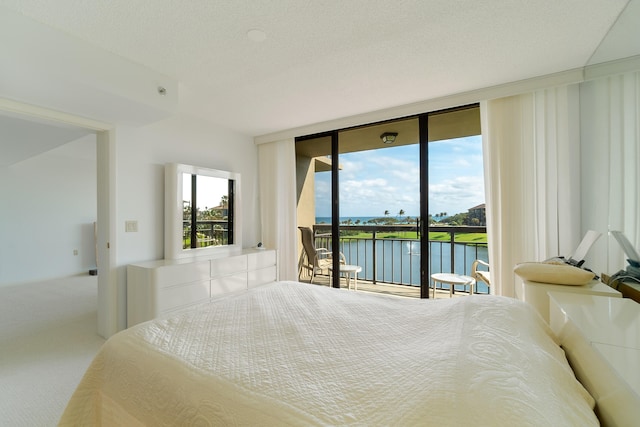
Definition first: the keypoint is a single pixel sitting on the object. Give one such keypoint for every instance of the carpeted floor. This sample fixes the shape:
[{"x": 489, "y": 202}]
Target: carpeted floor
[{"x": 47, "y": 340}]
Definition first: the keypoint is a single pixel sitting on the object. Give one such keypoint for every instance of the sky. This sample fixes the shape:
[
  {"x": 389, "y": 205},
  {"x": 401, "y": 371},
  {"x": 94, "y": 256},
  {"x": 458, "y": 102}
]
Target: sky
[
  {"x": 210, "y": 190},
  {"x": 375, "y": 181}
]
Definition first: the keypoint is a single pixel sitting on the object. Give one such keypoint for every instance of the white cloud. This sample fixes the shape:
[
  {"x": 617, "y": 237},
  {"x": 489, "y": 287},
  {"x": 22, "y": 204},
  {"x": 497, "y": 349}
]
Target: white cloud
[
  {"x": 376, "y": 181},
  {"x": 456, "y": 195}
]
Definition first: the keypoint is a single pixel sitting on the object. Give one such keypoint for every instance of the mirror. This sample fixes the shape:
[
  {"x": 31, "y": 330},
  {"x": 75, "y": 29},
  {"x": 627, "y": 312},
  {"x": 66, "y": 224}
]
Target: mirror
[{"x": 202, "y": 215}]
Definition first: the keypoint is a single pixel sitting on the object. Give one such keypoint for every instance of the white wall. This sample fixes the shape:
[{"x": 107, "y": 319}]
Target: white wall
[
  {"x": 48, "y": 207},
  {"x": 147, "y": 135},
  {"x": 49, "y": 68},
  {"x": 141, "y": 155}
]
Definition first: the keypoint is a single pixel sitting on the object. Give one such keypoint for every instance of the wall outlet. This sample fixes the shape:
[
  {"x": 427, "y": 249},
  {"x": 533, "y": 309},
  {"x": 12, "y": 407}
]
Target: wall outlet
[
  {"x": 75, "y": 252},
  {"x": 131, "y": 226}
]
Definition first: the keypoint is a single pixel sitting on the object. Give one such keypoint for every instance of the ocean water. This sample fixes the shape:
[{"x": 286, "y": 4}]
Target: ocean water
[{"x": 354, "y": 219}]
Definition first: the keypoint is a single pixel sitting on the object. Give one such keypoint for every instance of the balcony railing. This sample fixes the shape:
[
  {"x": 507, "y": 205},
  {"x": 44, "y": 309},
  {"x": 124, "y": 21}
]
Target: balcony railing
[
  {"x": 395, "y": 259},
  {"x": 210, "y": 232}
]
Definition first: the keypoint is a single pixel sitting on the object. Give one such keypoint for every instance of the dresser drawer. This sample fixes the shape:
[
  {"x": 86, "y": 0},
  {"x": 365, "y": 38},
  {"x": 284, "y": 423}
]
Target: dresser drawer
[
  {"x": 170, "y": 275},
  {"x": 181, "y": 295},
  {"x": 261, "y": 276},
  {"x": 262, "y": 259},
  {"x": 228, "y": 284},
  {"x": 226, "y": 266}
]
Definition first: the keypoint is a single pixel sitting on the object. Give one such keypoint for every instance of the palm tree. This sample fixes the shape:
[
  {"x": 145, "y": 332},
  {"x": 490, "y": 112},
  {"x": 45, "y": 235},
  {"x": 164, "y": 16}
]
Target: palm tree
[
  {"x": 186, "y": 209},
  {"x": 401, "y": 213},
  {"x": 386, "y": 213}
]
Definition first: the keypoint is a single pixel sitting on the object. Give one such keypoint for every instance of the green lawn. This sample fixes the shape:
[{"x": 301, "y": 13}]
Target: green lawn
[{"x": 438, "y": 236}]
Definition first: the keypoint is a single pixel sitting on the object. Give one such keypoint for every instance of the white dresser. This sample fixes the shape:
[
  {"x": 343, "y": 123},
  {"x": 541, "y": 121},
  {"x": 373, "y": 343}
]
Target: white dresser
[
  {"x": 601, "y": 338},
  {"x": 156, "y": 288},
  {"x": 536, "y": 293}
]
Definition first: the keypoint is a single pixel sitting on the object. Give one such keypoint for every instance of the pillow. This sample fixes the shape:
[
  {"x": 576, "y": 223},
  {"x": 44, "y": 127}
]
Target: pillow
[{"x": 559, "y": 274}]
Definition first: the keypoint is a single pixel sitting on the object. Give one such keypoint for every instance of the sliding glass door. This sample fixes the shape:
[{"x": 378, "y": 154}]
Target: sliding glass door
[
  {"x": 379, "y": 195},
  {"x": 367, "y": 192}
]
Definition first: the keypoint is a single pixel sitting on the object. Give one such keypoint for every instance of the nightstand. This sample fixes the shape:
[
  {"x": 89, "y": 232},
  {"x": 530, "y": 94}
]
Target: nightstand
[
  {"x": 601, "y": 338},
  {"x": 535, "y": 293}
]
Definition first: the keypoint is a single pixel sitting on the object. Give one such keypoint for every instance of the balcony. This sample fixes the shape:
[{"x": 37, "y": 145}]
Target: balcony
[
  {"x": 391, "y": 262},
  {"x": 209, "y": 232}
]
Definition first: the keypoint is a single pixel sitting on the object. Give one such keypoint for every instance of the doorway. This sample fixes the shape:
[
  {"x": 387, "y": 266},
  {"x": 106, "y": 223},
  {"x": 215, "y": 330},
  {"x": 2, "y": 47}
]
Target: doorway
[{"x": 105, "y": 195}]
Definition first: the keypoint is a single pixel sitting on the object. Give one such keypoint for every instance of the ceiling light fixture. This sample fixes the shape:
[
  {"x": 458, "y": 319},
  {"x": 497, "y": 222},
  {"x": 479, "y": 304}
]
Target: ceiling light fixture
[{"x": 388, "y": 137}]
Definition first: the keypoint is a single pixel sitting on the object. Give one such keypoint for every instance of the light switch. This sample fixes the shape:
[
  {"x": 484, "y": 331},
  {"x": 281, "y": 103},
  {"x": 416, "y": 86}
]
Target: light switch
[{"x": 131, "y": 226}]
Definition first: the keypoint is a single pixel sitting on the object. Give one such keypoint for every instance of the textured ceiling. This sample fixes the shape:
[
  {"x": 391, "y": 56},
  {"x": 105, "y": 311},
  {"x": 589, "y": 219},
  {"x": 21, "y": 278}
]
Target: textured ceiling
[{"x": 327, "y": 59}]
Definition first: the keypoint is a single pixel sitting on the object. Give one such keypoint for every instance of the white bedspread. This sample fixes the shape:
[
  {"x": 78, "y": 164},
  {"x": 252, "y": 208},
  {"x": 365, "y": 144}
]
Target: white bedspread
[{"x": 297, "y": 354}]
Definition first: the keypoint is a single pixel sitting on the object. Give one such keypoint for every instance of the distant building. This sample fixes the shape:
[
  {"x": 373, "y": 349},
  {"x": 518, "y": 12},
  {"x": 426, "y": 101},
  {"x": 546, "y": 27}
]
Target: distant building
[
  {"x": 222, "y": 211},
  {"x": 478, "y": 215}
]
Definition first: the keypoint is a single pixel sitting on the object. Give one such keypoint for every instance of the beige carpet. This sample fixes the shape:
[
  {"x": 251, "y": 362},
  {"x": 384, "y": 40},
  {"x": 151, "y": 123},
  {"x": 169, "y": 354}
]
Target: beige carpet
[{"x": 47, "y": 340}]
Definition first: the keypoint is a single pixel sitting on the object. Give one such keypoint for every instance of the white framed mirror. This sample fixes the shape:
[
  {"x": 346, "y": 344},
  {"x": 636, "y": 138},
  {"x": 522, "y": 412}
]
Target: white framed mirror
[{"x": 202, "y": 211}]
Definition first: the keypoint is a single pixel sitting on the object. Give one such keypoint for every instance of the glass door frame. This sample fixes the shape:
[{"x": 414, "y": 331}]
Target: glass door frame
[
  {"x": 423, "y": 227},
  {"x": 424, "y": 205},
  {"x": 423, "y": 135},
  {"x": 335, "y": 209}
]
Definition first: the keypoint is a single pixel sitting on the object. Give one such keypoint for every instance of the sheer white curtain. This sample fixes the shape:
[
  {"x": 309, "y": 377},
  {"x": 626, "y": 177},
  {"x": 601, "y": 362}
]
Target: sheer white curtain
[
  {"x": 531, "y": 150},
  {"x": 277, "y": 175},
  {"x": 610, "y": 118}
]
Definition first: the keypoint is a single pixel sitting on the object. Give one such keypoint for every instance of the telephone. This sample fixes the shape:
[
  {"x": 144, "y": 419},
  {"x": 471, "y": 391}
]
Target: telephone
[
  {"x": 632, "y": 272},
  {"x": 577, "y": 259}
]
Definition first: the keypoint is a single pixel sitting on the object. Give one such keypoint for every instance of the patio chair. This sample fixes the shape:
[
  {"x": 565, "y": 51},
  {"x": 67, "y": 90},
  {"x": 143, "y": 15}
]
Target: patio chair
[
  {"x": 314, "y": 259},
  {"x": 481, "y": 275}
]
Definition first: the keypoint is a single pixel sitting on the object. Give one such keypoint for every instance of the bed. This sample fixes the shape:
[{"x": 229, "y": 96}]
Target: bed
[{"x": 290, "y": 353}]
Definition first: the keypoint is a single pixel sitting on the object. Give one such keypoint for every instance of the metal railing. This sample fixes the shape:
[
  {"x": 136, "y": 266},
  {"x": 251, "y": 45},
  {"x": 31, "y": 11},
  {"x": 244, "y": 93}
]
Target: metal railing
[
  {"x": 211, "y": 232},
  {"x": 395, "y": 259}
]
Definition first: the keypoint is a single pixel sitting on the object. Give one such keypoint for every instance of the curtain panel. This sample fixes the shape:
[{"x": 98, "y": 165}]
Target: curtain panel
[
  {"x": 531, "y": 145},
  {"x": 277, "y": 175},
  {"x": 610, "y": 129}
]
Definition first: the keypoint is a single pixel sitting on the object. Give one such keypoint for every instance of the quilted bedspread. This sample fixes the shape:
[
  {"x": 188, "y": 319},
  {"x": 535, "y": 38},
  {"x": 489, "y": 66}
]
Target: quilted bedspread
[{"x": 290, "y": 353}]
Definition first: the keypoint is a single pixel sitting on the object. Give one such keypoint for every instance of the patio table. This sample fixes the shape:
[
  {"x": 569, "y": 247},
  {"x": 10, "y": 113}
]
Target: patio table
[
  {"x": 452, "y": 279},
  {"x": 348, "y": 270}
]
